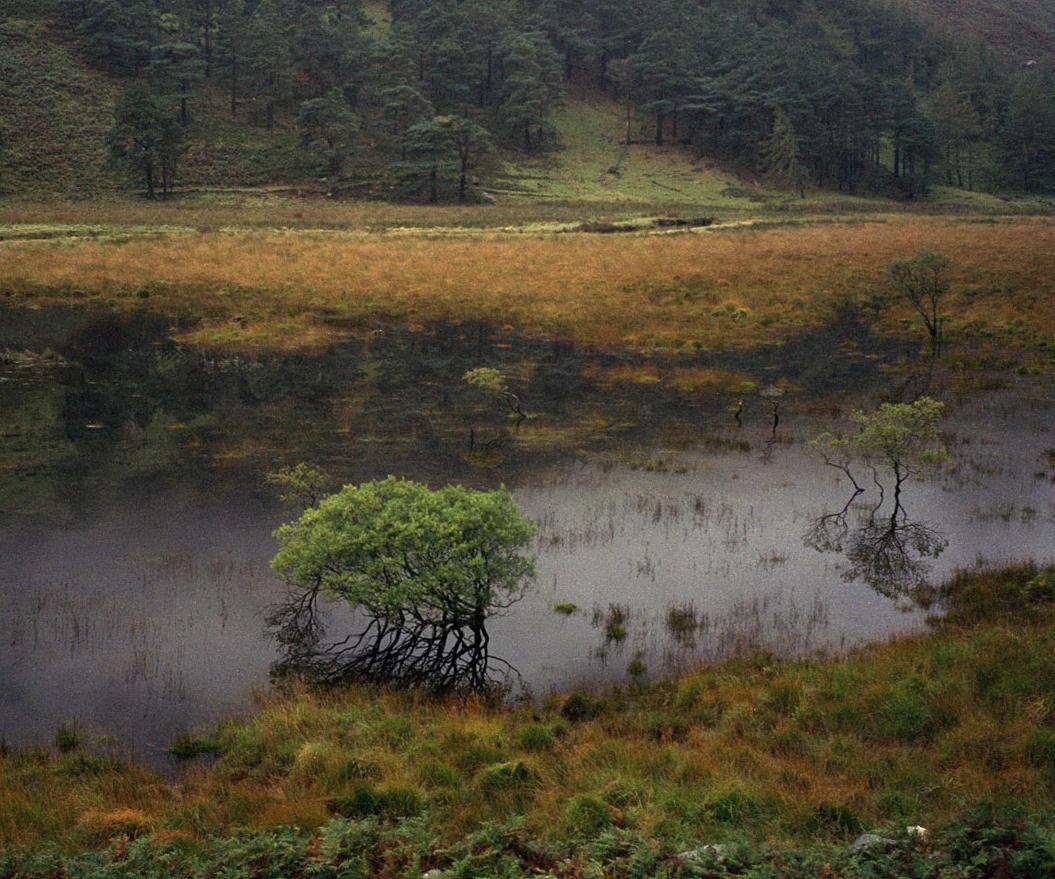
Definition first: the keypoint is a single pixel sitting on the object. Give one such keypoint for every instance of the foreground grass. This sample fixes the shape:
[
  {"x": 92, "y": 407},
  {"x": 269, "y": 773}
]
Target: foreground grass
[
  {"x": 717, "y": 288},
  {"x": 924, "y": 730}
]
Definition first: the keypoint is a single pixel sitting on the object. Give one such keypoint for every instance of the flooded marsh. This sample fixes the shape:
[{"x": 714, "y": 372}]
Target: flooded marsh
[{"x": 673, "y": 510}]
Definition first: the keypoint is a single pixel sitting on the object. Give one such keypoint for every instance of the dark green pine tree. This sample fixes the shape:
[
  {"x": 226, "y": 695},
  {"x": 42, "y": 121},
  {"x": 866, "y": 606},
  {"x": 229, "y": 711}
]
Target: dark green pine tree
[
  {"x": 146, "y": 138},
  {"x": 268, "y": 59},
  {"x": 119, "y": 33},
  {"x": 664, "y": 78},
  {"x": 781, "y": 154},
  {"x": 231, "y": 46},
  {"x": 430, "y": 159},
  {"x": 176, "y": 67},
  {"x": 530, "y": 87},
  {"x": 1027, "y": 142},
  {"x": 401, "y": 107},
  {"x": 329, "y": 128},
  {"x": 472, "y": 146}
]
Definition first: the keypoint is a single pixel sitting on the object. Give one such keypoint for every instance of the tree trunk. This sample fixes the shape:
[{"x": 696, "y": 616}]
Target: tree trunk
[
  {"x": 150, "y": 182},
  {"x": 463, "y": 180},
  {"x": 234, "y": 88},
  {"x": 660, "y": 119},
  {"x": 434, "y": 190}
]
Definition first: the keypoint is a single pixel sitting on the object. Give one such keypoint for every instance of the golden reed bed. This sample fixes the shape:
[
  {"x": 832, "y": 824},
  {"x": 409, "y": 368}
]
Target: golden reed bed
[{"x": 720, "y": 288}]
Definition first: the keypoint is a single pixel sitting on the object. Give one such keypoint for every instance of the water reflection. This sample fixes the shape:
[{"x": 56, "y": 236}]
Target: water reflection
[
  {"x": 888, "y": 552},
  {"x": 135, "y": 531}
]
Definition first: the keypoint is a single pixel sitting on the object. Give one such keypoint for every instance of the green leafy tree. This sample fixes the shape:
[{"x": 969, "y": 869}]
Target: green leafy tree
[
  {"x": 923, "y": 282},
  {"x": 329, "y": 128},
  {"x": 147, "y": 138},
  {"x": 904, "y": 438},
  {"x": 425, "y": 569},
  {"x": 493, "y": 383},
  {"x": 889, "y": 553}
]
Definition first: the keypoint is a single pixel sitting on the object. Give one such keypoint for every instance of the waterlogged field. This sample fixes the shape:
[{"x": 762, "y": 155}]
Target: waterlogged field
[
  {"x": 156, "y": 365},
  {"x": 734, "y": 286},
  {"x": 675, "y": 498}
]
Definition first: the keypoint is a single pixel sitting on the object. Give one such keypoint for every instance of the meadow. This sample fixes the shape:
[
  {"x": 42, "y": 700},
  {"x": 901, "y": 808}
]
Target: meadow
[
  {"x": 740, "y": 284},
  {"x": 757, "y": 751}
]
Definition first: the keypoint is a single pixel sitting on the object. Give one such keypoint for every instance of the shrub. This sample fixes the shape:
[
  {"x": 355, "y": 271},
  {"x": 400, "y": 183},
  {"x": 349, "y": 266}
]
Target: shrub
[
  {"x": 1040, "y": 750},
  {"x": 425, "y": 571},
  {"x": 190, "y": 747},
  {"x": 507, "y": 776},
  {"x": 579, "y": 706},
  {"x": 357, "y": 768},
  {"x": 69, "y": 738},
  {"x": 587, "y": 815},
  {"x": 832, "y": 820},
  {"x": 735, "y": 806},
  {"x": 393, "y": 801},
  {"x": 535, "y": 737}
]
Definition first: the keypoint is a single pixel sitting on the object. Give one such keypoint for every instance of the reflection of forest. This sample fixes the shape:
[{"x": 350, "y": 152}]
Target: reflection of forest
[
  {"x": 94, "y": 398},
  {"x": 114, "y": 400}
]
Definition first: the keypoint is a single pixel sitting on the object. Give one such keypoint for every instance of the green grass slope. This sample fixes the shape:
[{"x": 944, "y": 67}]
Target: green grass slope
[
  {"x": 1026, "y": 28},
  {"x": 595, "y": 165},
  {"x": 55, "y": 113}
]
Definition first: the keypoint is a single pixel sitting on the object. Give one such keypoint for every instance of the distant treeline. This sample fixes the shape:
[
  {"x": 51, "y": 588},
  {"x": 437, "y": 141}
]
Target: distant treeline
[{"x": 847, "y": 94}]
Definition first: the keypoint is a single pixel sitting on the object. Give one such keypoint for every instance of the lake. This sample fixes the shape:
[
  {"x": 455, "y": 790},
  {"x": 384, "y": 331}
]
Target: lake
[{"x": 135, "y": 522}]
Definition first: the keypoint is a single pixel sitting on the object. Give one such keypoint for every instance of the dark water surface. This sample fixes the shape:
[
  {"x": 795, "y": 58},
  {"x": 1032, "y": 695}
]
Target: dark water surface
[{"x": 135, "y": 528}]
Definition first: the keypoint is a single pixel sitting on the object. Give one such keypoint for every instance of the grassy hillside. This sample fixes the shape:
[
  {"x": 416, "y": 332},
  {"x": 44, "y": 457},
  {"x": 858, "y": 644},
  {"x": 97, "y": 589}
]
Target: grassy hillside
[
  {"x": 1025, "y": 28},
  {"x": 757, "y": 755},
  {"x": 54, "y": 110},
  {"x": 594, "y": 165}
]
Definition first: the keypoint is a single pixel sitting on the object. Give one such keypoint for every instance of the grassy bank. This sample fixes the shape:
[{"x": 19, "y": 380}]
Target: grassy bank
[
  {"x": 760, "y": 752},
  {"x": 739, "y": 286}
]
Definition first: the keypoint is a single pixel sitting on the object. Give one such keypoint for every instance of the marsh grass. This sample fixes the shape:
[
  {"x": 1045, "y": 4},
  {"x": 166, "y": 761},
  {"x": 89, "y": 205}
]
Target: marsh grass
[
  {"x": 911, "y": 732},
  {"x": 260, "y": 290}
]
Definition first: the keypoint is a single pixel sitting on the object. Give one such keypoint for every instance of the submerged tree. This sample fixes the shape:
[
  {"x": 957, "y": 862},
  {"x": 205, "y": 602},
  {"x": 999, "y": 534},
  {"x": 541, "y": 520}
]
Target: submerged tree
[
  {"x": 425, "y": 570},
  {"x": 491, "y": 381},
  {"x": 887, "y": 551}
]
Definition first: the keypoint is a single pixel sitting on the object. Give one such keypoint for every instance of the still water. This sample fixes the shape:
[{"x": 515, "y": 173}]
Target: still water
[{"x": 135, "y": 526}]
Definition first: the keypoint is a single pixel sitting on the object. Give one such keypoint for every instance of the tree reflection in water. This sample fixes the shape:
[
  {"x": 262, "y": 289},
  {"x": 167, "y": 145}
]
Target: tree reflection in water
[{"x": 888, "y": 551}]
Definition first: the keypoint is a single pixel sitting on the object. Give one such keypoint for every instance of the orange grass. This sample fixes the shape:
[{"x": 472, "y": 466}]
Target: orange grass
[{"x": 274, "y": 290}]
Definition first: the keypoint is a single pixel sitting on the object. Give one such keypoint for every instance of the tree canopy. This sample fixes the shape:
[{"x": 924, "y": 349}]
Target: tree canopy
[
  {"x": 425, "y": 569},
  {"x": 855, "y": 95}
]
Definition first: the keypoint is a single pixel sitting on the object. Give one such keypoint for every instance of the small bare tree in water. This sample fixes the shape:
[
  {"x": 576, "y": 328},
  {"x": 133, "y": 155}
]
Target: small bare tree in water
[
  {"x": 923, "y": 282},
  {"x": 425, "y": 571},
  {"x": 887, "y": 551}
]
